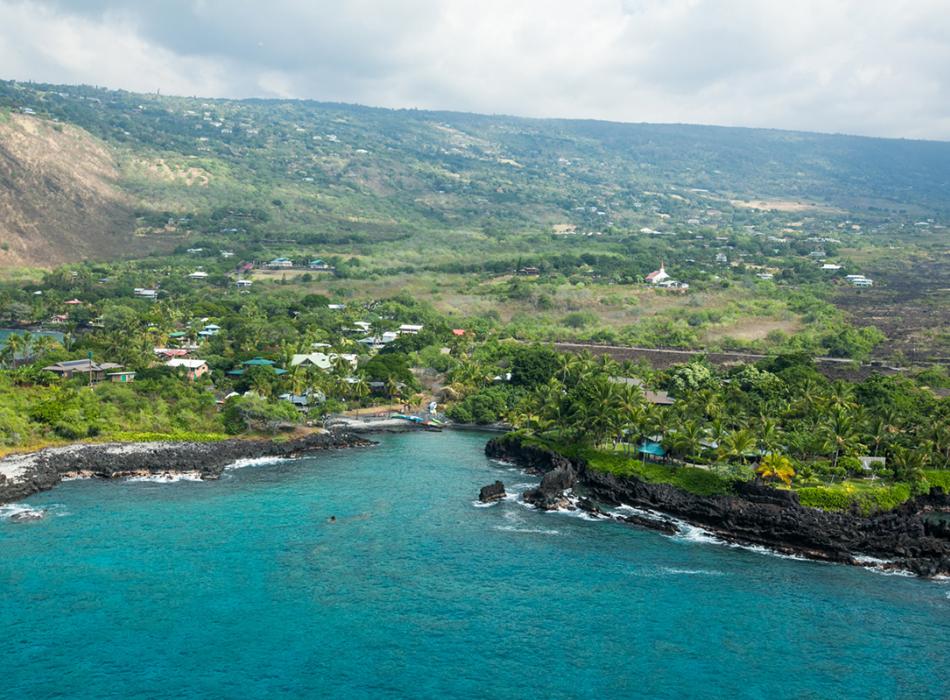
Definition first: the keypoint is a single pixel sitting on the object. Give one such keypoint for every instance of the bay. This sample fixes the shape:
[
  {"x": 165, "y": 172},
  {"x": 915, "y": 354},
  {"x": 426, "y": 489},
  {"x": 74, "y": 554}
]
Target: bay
[{"x": 243, "y": 587}]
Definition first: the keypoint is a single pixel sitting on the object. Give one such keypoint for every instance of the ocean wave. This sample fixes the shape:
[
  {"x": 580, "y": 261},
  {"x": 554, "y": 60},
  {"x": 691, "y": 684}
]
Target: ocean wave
[
  {"x": 502, "y": 462},
  {"x": 255, "y": 462},
  {"x": 21, "y": 512},
  {"x": 527, "y": 530},
  {"x": 575, "y": 513},
  {"x": 166, "y": 478},
  {"x": 691, "y": 572}
]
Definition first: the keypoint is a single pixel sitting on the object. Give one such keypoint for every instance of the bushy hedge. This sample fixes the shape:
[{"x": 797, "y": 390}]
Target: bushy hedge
[
  {"x": 701, "y": 482},
  {"x": 938, "y": 477},
  {"x": 840, "y": 497}
]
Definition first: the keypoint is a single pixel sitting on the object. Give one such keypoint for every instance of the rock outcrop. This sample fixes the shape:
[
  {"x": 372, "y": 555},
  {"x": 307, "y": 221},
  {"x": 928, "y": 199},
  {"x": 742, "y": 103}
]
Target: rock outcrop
[
  {"x": 550, "y": 493},
  {"x": 905, "y": 538},
  {"x": 42, "y": 470},
  {"x": 492, "y": 492}
]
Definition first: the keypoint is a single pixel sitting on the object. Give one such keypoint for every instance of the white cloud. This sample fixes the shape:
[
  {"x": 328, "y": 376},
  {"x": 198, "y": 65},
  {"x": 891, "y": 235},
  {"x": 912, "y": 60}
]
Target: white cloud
[{"x": 872, "y": 67}]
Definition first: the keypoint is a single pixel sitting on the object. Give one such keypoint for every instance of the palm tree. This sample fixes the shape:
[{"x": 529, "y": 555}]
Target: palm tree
[
  {"x": 840, "y": 434},
  {"x": 44, "y": 345},
  {"x": 17, "y": 345},
  {"x": 776, "y": 466},
  {"x": 342, "y": 366},
  {"x": 360, "y": 388},
  {"x": 394, "y": 388},
  {"x": 737, "y": 444},
  {"x": 686, "y": 441},
  {"x": 298, "y": 380},
  {"x": 907, "y": 464},
  {"x": 769, "y": 434}
]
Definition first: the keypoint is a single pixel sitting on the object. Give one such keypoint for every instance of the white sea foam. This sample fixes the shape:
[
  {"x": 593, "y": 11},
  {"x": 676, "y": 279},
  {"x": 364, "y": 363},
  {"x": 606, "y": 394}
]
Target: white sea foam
[
  {"x": 869, "y": 560},
  {"x": 479, "y": 504},
  {"x": 256, "y": 462},
  {"x": 168, "y": 478},
  {"x": 575, "y": 513},
  {"x": 691, "y": 572},
  {"x": 527, "y": 530},
  {"x": 502, "y": 462},
  {"x": 881, "y": 566},
  {"x": 20, "y": 511}
]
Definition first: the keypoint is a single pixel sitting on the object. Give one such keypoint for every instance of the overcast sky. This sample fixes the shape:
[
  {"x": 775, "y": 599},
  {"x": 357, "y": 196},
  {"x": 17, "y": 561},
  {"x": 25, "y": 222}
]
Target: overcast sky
[{"x": 875, "y": 67}]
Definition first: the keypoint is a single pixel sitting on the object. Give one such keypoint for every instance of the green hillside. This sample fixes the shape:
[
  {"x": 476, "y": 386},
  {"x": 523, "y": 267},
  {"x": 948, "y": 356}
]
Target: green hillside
[{"x": 309, "y": 170}]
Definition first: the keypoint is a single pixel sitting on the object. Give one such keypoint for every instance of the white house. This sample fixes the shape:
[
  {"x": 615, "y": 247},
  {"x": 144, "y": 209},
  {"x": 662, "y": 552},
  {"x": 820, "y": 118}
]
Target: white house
[
  {"x": 657, "y": 276},
  {"x": 145, "y": 293},
  {"x": 322, "y": 360},
  {"x": 244, "y": 284},
  {"x": 380, "y": 341},
  {"x": 863, "y": 282},
  {"x": 831, "y": 266},
  {"x": 409, "y": 329},
  {"x": 280, "y": 263},
  {"x": 198, "y": 275}
]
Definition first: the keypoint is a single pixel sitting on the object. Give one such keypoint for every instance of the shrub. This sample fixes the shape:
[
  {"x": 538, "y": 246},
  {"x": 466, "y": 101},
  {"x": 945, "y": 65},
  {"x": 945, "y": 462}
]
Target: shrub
[
  {"x": 840, "y": 497},
  {"x": 702, "y": 482},
  {"x": 244, "y": 413},
  {"x": 939, "y": 477}
]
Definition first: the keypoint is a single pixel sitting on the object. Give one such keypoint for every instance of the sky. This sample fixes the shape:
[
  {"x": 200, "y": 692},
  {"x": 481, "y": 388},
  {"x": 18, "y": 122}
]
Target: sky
[{"x": 871, "y": 67}]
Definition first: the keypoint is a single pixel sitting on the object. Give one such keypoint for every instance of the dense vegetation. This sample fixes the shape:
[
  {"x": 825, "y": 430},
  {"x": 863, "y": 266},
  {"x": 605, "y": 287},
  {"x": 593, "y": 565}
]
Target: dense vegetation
[
  {"x": 446, "y": 207},
  {"x": 778, "y": 420}
]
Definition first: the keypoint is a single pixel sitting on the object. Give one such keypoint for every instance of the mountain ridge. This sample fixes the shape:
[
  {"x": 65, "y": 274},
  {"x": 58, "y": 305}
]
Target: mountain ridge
[{"x": 303, "y": 168}]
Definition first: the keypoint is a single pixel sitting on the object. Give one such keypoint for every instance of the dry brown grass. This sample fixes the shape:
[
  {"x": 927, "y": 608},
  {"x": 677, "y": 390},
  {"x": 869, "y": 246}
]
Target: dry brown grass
[{"x": 749, "y": 329}]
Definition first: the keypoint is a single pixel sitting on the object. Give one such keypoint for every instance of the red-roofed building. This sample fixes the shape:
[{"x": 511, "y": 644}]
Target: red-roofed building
[
  {"x": 458, "y": 332},
  {"x": 657, "y": 276}
]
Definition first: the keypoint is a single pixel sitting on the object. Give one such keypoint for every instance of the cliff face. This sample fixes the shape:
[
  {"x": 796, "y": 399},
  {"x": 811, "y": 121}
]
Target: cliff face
[
  {"x": 59, "y": 201},
  {"x": 761, "y": 515}
]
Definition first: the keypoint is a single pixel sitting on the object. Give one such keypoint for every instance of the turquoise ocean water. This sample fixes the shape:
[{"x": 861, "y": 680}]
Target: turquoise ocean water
[
  {"x": 241, "y": 588},
  {"x": 7, "y": 332}
]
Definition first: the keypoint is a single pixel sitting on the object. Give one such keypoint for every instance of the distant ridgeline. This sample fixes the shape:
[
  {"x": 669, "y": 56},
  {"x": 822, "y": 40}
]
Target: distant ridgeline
[{"x": 302, "y": 168}]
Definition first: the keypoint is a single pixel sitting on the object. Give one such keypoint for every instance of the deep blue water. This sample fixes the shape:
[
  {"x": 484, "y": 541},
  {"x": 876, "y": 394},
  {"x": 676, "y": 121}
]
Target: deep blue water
[{"x": 241, "y": 588}]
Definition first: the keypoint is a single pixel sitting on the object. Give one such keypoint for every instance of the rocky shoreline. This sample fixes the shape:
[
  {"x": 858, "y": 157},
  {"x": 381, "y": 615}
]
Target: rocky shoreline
[
  {"x": 25, "y": 474},
  {"x": 900, "y": 540}
]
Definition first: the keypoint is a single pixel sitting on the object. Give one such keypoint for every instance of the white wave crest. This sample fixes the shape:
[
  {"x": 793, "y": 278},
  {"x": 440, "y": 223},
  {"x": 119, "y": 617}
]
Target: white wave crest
[
  {"x": 527, "y": 530},
  {"x": 256, "y": 462},
  {"x": 691, "y": 572},
  {"x": 21, "y": 512},
  {"x": 167, "y": 478}
]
